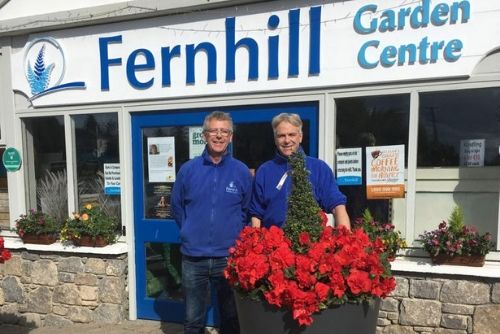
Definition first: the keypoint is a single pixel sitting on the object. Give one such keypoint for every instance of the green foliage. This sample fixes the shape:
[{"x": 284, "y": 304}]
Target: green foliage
[
  {"x": 36, "y": 222},
  {"x": 303, "y": 214},
  {"x": 386, "y": 232},
  {"x": 91, "y": 221},
  {"x": 456, "y": 220}
]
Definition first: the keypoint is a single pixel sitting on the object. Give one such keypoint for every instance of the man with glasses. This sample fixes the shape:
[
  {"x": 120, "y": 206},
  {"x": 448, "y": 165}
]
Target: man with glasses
[
  {"x": 272, "y": 184},
  {"x": 209, "y": 202}
]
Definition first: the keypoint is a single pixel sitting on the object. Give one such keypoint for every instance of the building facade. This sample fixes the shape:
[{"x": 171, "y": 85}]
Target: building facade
[{"x": 105, "y": 103}]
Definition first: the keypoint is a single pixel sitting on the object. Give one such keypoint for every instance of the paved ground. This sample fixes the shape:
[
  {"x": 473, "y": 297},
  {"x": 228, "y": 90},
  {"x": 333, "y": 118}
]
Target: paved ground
[{"x": 127, "y": 327}]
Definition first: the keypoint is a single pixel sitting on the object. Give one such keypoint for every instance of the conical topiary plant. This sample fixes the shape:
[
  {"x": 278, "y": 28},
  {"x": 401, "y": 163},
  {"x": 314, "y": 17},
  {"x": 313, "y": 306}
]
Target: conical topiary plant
[{"x": 303, "y": 214}]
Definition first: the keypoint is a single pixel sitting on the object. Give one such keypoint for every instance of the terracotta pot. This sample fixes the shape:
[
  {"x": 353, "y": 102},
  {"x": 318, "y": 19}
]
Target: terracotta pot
[
  {"x": 86, "y": 240},
  {"x": 459, "y": 260},
  {"x": 41, "y": 239},
  {"x": 262, "y": 318}
]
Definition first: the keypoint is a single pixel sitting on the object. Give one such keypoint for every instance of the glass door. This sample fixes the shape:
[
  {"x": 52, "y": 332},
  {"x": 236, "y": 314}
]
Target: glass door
[{"x": 161, "y": 143}]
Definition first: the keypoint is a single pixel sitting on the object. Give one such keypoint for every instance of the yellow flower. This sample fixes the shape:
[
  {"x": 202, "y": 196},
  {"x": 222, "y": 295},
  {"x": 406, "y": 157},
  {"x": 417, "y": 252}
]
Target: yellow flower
[
  {"x": 76, "y": 215},
  {"x": 88, "y": 206},
  {"x": 85, "y": 217}
]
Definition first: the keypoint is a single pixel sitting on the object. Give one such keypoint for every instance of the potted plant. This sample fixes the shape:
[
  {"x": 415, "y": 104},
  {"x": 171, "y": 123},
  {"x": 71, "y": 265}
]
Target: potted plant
[
  {"x": 92, "y": 226},
  {"x": 308, "y": 277},
  {"x": 455, "y": 243},
  {"x": 386, "y": 232},
  {"x": 37, "y": 227},
  {"x": 4, "y": 252}
]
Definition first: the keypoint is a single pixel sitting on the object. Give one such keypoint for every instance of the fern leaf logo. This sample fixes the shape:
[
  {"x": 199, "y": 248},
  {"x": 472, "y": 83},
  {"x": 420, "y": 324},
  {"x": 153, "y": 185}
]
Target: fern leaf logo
[{"x": 39, "y": 75}]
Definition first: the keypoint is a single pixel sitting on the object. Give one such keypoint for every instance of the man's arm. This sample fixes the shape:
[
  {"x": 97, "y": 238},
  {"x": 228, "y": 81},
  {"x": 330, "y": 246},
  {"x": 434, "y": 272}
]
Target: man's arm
[{"x": 341, "y": 216}]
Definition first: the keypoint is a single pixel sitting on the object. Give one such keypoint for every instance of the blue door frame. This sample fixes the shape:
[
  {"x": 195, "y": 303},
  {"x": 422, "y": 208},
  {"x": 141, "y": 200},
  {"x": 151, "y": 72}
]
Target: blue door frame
[{"x": 166, "y": 230}]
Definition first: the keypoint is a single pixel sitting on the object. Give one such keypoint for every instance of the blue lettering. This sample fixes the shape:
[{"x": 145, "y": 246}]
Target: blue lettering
[
  {"x": 387, "y": 21},
  {"x": 105, "y": 61},
  {"x": 465, "y": 7},
  {"x": 166, "y": 57},
  {"x": 420, "y": 16},
  {"x": 211, "y": 53},
  {"x": 314, "y": 40},
  {"x": 231, "y": 46},
  {"x": 273, "y": 47},
  {"x": 362, "y": 61},
  {"x": 452, "y": 51},
  {"x": 439, "y": 14},
  {"x": 358, "y": 26},
  {"x": 293, "y": 42},
  {"x": 411, "y": 50},
  {"x": 132, "y": 68},
  {"x": 388, "y": 56}
]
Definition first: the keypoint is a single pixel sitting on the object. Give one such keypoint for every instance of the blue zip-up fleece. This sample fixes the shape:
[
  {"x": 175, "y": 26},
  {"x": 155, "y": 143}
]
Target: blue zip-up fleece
[
  {"x": 270, "y": 204},
  {"x": 209, "y": 203}
]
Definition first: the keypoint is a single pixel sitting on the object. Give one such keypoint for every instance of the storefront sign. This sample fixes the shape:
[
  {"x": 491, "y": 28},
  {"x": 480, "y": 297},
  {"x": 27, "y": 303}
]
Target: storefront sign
[
  {"x": 269, "y": 47},
  {"x": 11, "y": 159},
  {"x": 161, "y": 159},
  {"x": 112, "y": 179},
  {"x": 385, "y": 166},
  {"x": 349, "y": 166},
  {"x": 472, "y": 152},
  {"x": 196, "y": 141}
]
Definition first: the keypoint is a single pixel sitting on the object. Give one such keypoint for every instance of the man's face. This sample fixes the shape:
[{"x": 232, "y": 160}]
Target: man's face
[
  {"x": 218, "y": 136},
  {"x": 287, "y": 138}
]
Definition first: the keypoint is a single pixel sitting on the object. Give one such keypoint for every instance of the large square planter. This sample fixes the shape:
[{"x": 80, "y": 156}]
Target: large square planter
[{"x": 262, "y": 318}]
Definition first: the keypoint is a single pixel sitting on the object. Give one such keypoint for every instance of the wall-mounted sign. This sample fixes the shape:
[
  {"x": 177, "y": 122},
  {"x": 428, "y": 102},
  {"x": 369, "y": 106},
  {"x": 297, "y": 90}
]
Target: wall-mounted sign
[
  {"x": 472, "y": 152},
  {"x": 11, "y": 159},
  {"x": 112, "y": 182},
  {"x": 349, "y": 166},
  {"x": 385, "y": 166}
]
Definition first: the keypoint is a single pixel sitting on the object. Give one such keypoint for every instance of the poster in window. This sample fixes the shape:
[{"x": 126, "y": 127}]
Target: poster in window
[
  {"x": 472, "y": 152},
  {"x": 385, "y": 172},
  {"x": 196, "y": 141},
  {"x": 349, "y": 166},
  {"x": 161, "y": 159},
  {"x": 157, "y": 201},
  {"x": 112, "y": 181}
]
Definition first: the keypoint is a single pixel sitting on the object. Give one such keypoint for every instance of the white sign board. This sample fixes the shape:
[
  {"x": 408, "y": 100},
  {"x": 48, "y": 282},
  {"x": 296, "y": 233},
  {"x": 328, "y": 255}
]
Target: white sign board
[
  {"x": 196, "y": 141},
  {"x": 161, "y": 159},
  {"x": 385, "y": 167},
  {"x": 112, "y": 181},
  {"x": 472, "y": 152},
  {"x": 349, "y": 166}
]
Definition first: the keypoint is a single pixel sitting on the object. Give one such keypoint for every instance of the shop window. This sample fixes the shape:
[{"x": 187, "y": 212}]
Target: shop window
[
  {"x": 46, "y": 166},
  {"x": 373, "y": 121},
  {"x": 98, "y": 161},
  {"x": 458, "y": 162}
]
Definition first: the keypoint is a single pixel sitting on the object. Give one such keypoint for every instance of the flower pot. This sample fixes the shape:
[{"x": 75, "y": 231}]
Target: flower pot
[
  {"x": 41, "y": 239},
  {"x": 459, "y": 260},
  {"x": 86, "y": 240},
  {"x": 262, "y": 318}
]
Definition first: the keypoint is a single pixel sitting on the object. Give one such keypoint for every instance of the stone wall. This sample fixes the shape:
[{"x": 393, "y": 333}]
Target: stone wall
[
  {"x": 441, "y": 304},
  {"x": 44, "y": 289}
]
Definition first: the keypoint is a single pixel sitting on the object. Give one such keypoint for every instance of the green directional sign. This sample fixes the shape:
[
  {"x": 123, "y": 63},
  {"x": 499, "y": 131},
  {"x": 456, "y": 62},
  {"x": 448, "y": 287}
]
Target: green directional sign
[{"x": 11, "y": 159}]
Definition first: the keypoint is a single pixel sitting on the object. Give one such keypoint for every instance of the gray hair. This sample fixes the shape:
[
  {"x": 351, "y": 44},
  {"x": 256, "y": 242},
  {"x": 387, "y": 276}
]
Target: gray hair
[
  {"x": 293, "y": 119},
  {"x": 220, "y": 116}
]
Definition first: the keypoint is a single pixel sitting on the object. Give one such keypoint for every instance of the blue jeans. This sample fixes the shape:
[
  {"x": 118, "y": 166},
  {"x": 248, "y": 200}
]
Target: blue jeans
[{"x": 198, "y": 274}]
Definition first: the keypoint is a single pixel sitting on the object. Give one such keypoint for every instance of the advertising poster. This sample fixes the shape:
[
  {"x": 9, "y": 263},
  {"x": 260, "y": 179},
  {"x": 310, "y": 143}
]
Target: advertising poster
[
  {"x": 349, "y": 166},
  {"x": 196, "y": 141},
  {"x": 472, "y": 152},
  {"x": 158, "y": 201},
  {"x": 385, "y": 166},
  {"x": 161, "y": 159},
  {"x": 112, "y": 182}
]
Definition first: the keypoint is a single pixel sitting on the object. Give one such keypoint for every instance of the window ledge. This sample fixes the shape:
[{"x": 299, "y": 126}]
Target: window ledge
[
  {"x": 424, "y": 265},
  {"x": 114, "y": 249}
]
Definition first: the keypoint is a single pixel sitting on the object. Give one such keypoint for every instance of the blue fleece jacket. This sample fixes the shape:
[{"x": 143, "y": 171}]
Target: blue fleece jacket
[
  {"x": 271, "y": 190},
  {"x": 209, "y": 203}
]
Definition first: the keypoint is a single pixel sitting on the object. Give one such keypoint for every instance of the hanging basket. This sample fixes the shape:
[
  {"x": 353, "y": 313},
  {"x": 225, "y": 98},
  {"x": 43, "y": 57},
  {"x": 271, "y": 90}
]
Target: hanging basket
[
  {"x": 40, "y": 239},
  {"x": 88, "y": 241},
  {"x": 459, "y": 260},
  {"x": 261, "y": 318}
]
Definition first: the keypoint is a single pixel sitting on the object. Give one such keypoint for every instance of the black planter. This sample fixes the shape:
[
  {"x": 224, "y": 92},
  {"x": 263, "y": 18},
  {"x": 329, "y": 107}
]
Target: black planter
[{"x": 262, "y": 318}]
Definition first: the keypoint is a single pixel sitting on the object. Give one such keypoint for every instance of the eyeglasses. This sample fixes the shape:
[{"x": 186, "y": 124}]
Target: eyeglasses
[{"x": 217, "y": 132}]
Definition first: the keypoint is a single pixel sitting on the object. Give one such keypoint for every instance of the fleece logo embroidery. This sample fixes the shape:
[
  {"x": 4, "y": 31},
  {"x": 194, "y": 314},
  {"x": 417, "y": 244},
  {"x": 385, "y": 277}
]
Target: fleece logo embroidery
[{"x": 231, "y": 188}]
